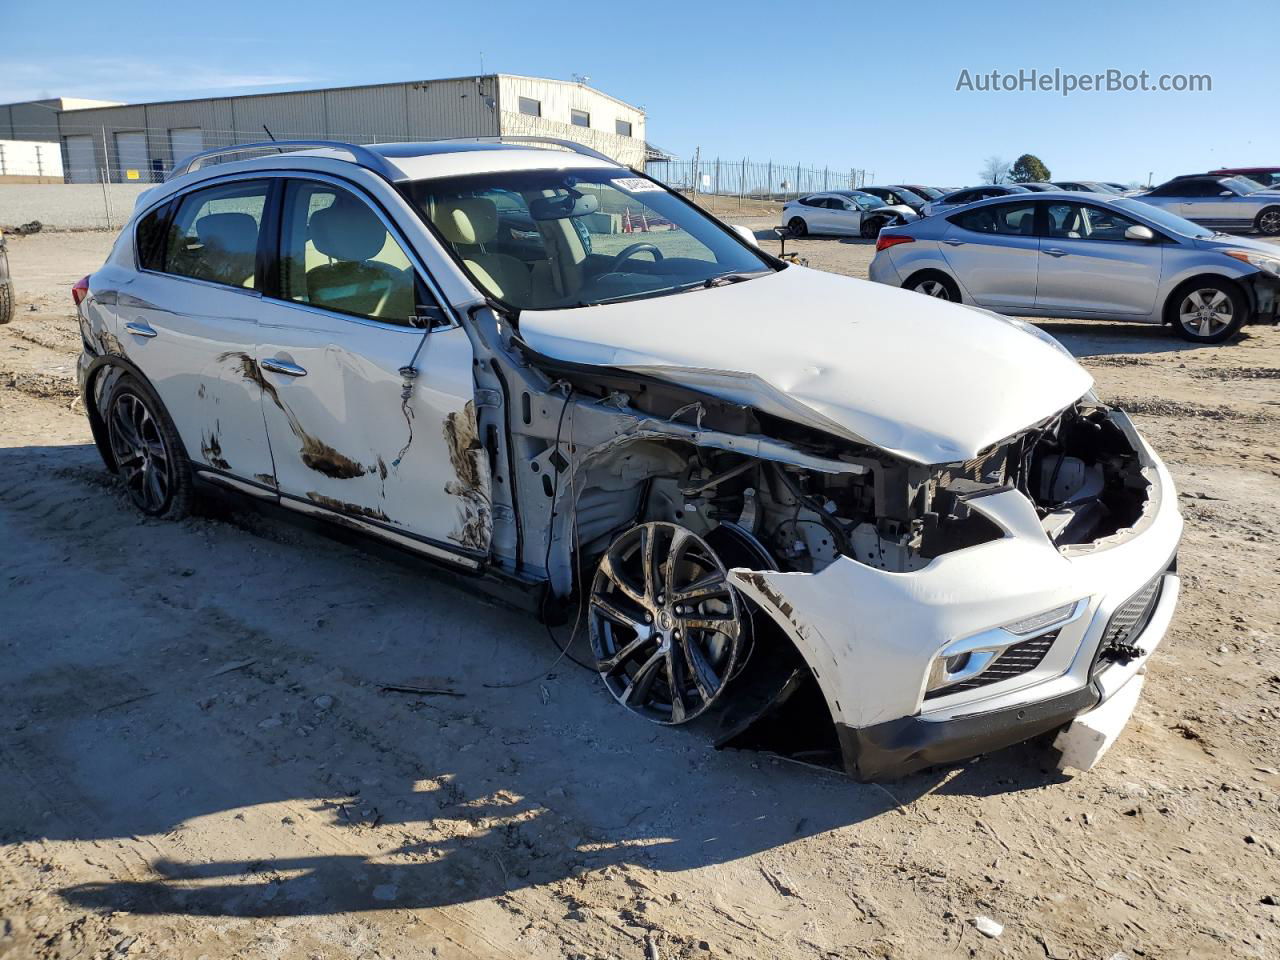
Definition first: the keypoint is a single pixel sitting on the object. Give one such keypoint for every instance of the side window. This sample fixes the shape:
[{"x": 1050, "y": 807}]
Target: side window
[
  {"x": 214, "y": 234},
  {"x": 967, "y": 197},
  {"x": 1080, "y": 221},
  {"x": 149, "y": 236},
  {"x": 1201, "y": 188},
  {"x": 335, "y": 253},
  {"x": 1007, "y": 219}
]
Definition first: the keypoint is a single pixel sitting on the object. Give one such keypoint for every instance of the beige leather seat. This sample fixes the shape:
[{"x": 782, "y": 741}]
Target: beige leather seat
[
  {"x": 469, "y": 223},
  {"x": 351, "y": 235}
]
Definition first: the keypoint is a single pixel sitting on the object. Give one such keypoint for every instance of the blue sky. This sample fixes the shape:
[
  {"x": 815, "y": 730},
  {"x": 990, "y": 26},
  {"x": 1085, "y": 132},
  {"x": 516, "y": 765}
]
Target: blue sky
[{"x": 839, "y": 84}]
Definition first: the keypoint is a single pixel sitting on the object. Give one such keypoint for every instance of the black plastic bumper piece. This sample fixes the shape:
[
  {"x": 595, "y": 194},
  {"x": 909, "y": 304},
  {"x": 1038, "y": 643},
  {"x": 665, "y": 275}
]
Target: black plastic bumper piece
[
  {"x": 1264, "y": 291},
  {"x": 894, "y": 749}
]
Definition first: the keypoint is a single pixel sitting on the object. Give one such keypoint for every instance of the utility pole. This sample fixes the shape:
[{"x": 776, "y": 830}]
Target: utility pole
[{"x": 697, "y": 160}]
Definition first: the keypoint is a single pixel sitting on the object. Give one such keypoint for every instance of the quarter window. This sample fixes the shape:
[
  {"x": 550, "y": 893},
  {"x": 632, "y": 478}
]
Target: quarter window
[
  {"x": 214, "y": 234},
  {"x": 580, "y": 118},
  {"x": 150, "y": 237},
  {"x": 530, "y": 107},
  {"x": 1007, "y": 219},
  {"x": 337, "y": 254}
]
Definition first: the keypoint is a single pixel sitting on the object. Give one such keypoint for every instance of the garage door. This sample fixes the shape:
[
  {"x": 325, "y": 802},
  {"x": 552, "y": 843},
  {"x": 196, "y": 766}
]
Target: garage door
[
  {"x": 183, "y": 142},
  {"x": 131, "y": 157},
  {"x": 82, "y": 161}
]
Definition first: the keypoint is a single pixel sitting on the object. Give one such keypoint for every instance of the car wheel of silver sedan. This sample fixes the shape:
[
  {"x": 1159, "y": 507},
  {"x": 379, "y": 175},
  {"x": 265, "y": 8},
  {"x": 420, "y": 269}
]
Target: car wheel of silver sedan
[
  {"x": 934, "y": 285},
  {"x": 1209, "y": 312},
  {"x": 1268, "y": 222},
  {"x": 146, "y": 451},
  {"x": 797, "y": 226},
  {"x": 666, "y": 628}
]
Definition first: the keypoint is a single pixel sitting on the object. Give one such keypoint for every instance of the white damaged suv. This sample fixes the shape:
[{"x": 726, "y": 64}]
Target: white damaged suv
[{"x": 766, "y": 489}]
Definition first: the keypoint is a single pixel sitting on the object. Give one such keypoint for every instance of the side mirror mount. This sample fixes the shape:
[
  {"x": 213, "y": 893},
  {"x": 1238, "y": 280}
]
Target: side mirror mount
[
  {"x": 1139, "y": 232},
  {"x": 746, "y": 233}
]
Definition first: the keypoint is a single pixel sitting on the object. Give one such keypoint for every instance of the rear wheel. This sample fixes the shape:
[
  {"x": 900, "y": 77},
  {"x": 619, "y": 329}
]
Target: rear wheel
[
  {"x": 1208, "y": 311},
  {"x": 798, "y": 227},
  {"x": 666, "y": 627},
  {"x": 933, "y": 284},
  {"x": 146, "y": 451},
  {"x": 1268, "y": 222},
  {"x": 6, "y": 301}
]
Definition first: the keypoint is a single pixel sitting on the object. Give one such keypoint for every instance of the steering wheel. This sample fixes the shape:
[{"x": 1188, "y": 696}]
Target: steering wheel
[{"x": 628, "y": 252}]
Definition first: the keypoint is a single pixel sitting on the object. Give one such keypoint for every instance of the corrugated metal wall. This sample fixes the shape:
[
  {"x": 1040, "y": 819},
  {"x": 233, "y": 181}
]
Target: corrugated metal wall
[{"x": 427, "y": 110}]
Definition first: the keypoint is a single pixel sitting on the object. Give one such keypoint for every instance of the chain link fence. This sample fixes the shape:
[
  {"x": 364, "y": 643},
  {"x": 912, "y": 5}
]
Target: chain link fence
[{"x": 752, "y": 179}]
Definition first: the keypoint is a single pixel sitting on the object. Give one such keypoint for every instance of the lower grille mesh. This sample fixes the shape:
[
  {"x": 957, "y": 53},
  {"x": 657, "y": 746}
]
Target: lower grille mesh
[{"x": 1128, "y": 622}]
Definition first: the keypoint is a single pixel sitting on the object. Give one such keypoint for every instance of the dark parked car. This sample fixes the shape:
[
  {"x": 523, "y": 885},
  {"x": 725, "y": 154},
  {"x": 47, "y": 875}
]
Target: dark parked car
[{"x": 898, "y": 196}]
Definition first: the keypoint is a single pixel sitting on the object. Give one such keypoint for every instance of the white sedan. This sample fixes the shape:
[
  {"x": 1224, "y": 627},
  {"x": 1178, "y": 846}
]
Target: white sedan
[{"x": 844, "y": 213}]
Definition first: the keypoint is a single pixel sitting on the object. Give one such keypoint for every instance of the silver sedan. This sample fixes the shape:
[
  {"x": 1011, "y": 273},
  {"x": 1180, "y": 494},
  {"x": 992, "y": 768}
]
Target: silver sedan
[
  {"x": 1228, "y": 203},
  {"x": 1086, "y": 256}
]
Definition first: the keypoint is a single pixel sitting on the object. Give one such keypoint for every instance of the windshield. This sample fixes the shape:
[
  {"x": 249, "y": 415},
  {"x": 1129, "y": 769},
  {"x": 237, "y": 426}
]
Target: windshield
[
  {"x": 1163, "y": 218},
  {"x": 1249, "y": 185},
  {"x": 546, "y": 239},
  {"x": 928, "y": 192},
  {"x": 867, "y": 201},
  {"x": 1241, "y": 185}
]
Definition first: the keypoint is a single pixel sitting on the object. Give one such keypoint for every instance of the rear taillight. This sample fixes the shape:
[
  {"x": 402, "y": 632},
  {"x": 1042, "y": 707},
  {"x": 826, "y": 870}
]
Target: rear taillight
[
  {"x": 80, "y": 291},
  {"x": 887, "y": 240}
]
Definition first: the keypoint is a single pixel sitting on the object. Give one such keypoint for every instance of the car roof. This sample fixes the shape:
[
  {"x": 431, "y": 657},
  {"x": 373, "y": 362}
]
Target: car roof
[
  {"x": 1232, "y": 171},
  {"x": 413, "y": 161}
]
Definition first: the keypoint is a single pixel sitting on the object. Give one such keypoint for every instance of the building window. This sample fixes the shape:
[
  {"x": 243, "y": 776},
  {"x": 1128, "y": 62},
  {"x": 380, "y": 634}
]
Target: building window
[
  {"x": 530, "y": 107},
  {"x": 622, "y": 128},
  {"x": 580, "y": 118}
]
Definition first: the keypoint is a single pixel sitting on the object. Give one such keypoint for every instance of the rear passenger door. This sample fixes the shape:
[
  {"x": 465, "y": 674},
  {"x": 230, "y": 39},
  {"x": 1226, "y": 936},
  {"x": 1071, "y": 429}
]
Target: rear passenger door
[
  {"x": 348, "y": 310},
  {"x": 189, "y": 320},
  {"x": 993, "y": 252}
]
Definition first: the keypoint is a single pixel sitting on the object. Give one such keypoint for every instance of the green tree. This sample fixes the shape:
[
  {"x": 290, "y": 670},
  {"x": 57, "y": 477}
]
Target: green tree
[{"x": 1028, "y": 168}]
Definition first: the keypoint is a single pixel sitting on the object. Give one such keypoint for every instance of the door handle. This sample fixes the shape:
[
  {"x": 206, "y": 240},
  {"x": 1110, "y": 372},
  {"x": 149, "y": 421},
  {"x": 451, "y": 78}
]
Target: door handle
[
  {"x": 1055, "y": 252},
  {"x": 140, "y": 328},
  {"x": 954, "y": 243},
  {"x": 276, "y": 365}
]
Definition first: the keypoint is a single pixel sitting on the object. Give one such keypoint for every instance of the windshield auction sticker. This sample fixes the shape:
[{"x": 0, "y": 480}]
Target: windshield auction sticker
[{"x": 636, "y": 184}]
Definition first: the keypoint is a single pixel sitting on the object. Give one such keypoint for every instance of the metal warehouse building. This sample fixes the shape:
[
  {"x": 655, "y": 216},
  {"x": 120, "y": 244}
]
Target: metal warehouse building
[{"x": 141, "y": 141}]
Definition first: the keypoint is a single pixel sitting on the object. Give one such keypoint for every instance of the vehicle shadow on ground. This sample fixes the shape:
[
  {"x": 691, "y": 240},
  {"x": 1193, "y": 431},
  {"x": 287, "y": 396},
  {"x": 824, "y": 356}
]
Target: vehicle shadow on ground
[
  {"x": 1095, "y": 338},
  {"x": 221, "y": 695}
]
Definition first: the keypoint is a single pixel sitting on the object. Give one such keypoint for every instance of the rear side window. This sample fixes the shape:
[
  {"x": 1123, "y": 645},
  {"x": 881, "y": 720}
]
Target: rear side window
[
  {"x": 1009, "y": 219},
  {"x": 150, "y": 237},
  {"x": 214, "y": 234}
]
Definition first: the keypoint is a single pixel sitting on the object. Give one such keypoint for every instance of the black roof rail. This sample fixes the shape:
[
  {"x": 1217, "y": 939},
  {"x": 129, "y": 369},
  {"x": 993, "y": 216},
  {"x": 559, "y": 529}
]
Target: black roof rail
[{"x": 361, "y": 156}]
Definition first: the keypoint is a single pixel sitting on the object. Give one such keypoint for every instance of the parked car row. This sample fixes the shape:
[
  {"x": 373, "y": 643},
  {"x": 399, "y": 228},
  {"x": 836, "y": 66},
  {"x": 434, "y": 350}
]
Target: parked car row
[{"x": 1086, "y": 256}]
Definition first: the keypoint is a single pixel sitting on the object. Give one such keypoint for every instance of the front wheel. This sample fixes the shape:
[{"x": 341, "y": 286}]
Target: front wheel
[
  {"x": 870, "y": 229},
  {"x": 1208, "y": 312},
  {"x": 798, "y": 227},
  {"x": 1268, "y": 222},
  {"x": 146, "y": 451},
  {"x": 666, "y": 627}
]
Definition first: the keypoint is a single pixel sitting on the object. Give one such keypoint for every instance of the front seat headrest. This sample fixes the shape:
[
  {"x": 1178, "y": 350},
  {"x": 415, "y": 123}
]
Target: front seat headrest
[
  {"x": 348, "y": 231},
  {"x": 229, "y": 232},
  {"x": 467, "y": 220}
]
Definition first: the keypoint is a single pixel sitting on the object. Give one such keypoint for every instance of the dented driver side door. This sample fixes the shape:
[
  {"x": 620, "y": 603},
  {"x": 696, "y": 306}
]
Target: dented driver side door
[{"x": 348, "y": 311}]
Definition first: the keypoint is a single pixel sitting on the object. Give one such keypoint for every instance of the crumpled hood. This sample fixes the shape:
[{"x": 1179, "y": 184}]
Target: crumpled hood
[{"x": 924, "y": 379}]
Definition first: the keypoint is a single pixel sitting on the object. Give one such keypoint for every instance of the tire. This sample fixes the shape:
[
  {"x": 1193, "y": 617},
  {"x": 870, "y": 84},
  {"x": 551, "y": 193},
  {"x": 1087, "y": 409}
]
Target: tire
[
  {"x": 870, "y": 229},
  {"x": 1268, "y": 222},
  {"x": 146, "y": 452},
  {"x": 6, "y": 301},
  {"x": 931, "y": 283},
  {"x": 798, "y": 227},
  {"x": 667, "y": 630},
  {"x": 1207, "y": 311}
]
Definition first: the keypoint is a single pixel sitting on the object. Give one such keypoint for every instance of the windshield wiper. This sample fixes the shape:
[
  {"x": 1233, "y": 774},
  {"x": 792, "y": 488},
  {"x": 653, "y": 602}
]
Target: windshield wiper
[{"x": 724, "y": 279}]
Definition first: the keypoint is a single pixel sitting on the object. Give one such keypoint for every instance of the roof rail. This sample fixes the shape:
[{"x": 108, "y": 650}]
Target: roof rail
[
  {"x": 361, "y": 156},
  {"x": 572, "y": 145}
]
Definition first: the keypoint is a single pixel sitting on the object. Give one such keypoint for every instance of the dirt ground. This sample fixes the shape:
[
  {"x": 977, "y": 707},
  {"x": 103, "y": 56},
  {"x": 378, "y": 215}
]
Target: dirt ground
[{"x": 198, "y": 759}]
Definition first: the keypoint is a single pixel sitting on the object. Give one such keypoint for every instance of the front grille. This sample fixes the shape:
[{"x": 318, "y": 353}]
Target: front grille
[
  {"x": 1014, "y": 662},
  {"x": 1127, "y": 624}
]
